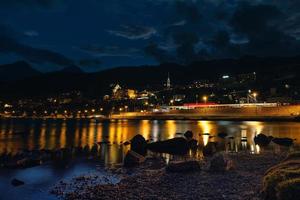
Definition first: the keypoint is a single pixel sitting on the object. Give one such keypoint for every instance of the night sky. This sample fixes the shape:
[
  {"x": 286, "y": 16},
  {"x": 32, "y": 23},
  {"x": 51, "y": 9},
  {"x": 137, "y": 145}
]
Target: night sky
[{"x": 98, "y": 34}]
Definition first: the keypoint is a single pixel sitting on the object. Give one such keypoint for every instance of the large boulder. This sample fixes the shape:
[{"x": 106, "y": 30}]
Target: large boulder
[
  {"x": 188, "y": 135},
  {"x": 193, "y": 144},
  {"x": 282, "y": 181},
  {"x": 221, "y": 163},
  {"x": 262, "y": 140},
  {"x": 176, "y": 146},
  {"x": 139, "y": 145},
  {"x": 183, "y": 166},
  {"x": 16, "y": 182},
  {"x": 133, "y": 159},
  {"x": 288, "y": 190},
  {"x": 286, "y": 142},
  {"x": 210, "y": 149}
]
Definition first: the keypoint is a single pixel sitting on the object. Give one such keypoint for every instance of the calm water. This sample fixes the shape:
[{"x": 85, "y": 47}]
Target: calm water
[{"x": 53, "y": 134}]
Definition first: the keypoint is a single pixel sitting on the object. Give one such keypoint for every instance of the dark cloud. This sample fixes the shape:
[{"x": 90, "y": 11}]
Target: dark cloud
[
  {"x": 251, "y": 20},
  {"x": 262, "y": 25},
  {"x": 46, "y": 4},
  {"x": 134, "y": 32},
  {"x": 110, "y": 51},
  {"x": 186, "y": 42},
  {"x": 188, "y": 10},
  {"x": 159, "y": 54},
  {"x": 10, "y": 44}
]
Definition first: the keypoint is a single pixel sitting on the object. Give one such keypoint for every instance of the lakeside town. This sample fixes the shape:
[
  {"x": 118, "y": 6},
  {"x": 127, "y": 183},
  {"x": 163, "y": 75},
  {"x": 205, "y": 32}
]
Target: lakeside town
[
  {"x": 235, "y": 96},
  {"x": 149, "y": 100}
]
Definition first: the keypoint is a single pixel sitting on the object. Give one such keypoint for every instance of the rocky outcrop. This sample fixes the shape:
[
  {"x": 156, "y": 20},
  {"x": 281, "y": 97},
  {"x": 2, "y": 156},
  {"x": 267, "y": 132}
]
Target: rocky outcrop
[
  {"x": 210, "y": 149},
  {"x": 282, "y": 182},
  {"x": 286, "y": 142},
  {"x": 175, "y": 146},
  {"x": 133, "y": 159},
  {"x": 221, "y": 163},
  {"x": 139, "y": 145},
  {"x": 262, "y": 140}
]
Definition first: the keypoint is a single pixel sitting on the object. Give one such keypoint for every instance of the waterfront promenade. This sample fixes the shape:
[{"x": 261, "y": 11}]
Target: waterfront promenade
[{"x": 290, "y": 112}]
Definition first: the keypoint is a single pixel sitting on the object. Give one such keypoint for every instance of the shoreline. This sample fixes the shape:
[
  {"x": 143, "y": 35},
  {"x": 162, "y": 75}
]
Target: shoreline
[
  {"x": 173, "y": 117},
  {"x": 152, "y": 181}
]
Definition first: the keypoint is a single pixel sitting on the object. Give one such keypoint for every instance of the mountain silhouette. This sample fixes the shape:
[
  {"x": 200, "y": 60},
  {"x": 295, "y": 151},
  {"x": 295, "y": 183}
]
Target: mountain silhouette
[{"x": 17, "y": 71}]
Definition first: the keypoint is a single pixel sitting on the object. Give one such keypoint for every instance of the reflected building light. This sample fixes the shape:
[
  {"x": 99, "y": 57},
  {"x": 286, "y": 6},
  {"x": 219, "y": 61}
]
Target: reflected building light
[
  {"x": 257, "y": 148},
  {"x": 145, "y": 128},
  {"x": 171, "y": 129},
  {"x": 244, "y": 139},
  {"x": 205, "y": 128},
  {"x": 205, "y": 139},
  {"x": 155, "y": 132}
]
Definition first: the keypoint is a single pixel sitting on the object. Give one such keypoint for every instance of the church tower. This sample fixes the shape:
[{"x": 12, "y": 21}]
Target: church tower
[{"x": 168, "y": 82}]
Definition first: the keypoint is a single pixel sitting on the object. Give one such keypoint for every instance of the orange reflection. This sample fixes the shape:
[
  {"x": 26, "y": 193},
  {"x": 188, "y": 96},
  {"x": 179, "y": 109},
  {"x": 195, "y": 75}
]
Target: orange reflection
[
  {"x": 206, "y": 128},
  {"x": 171, "y": 129}
]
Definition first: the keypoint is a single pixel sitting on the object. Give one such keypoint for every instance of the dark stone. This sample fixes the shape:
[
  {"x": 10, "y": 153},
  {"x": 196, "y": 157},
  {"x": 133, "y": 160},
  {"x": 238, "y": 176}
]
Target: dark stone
[
  {"x": 210, "y": 149},
  {"x": 15, "y": 182},
  {"x": 139, "y": 145},
  {"x": 188, "y": 135},
  {"x": 94, "y": 150},
  {"x": 193, "y": 144},
  {"x": 222, "y": 135},
  {"x": 133, "y": 159},
  {"x": 24, "y": 163},
  {"x": 220, "y": 163},
  {"x": 262, "y": 140},
  {"x": 287, "y": 142},
  {"x": 183, "y": 166},
  {"x": 176, "y": 146}
]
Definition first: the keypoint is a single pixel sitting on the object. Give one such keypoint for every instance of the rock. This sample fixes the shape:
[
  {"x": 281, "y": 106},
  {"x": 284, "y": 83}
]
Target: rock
[
  {"x": 94, "y": 150},
  {"x": 262, "y": 140},
  {"x": 282, "y": 181},
  {"x": 133, "y": 159},
  {"x": 293, "y": 156},
  {"x": 139, "y": 145},
  {"x": 28, "y": 162},
  {"x": 222, "y": 135},
  {"x": 176, "y": 146},
  {"x": 193, "y": 144},
  {"x": 188, "y": 135},
  {"x": 15, "y": 182},
  {"x": 288, "y": 190},
  {"x": 221, "y": 163},
  {"x": 210, "y": 149},
  {"x": 287, "y": 142},
  {"x": 183, "y": 166}
]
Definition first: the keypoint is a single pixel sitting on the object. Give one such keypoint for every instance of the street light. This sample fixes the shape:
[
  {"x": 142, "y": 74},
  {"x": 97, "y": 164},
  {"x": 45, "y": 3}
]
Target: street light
[
  {"x": 204, "y": 99},
  {"x": 255, "y": 95}
]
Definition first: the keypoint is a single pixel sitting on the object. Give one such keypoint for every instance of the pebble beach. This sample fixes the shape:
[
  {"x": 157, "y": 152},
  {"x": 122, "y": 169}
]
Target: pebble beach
[{"x": 151, "y": 181}]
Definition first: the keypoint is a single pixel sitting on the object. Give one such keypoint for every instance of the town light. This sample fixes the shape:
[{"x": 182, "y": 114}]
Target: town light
[{"x": 205, "y": 99}]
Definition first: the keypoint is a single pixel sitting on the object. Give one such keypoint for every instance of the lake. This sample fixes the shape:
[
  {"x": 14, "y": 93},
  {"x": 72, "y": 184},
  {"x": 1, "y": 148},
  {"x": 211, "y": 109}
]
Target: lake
[{"x": 18, "y": 134}]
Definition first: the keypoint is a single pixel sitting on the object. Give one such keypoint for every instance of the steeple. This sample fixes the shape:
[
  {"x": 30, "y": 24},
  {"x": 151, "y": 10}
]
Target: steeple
[{"x": 168, "y": 81}]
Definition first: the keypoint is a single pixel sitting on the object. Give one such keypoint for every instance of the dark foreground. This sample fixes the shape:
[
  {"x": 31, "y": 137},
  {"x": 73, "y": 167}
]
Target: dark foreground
[{"x": 151, "y": 181}]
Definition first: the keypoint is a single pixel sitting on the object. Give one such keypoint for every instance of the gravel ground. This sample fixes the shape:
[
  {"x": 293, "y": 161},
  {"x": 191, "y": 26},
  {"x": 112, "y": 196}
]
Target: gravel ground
[{"x": 150, "y": 181}]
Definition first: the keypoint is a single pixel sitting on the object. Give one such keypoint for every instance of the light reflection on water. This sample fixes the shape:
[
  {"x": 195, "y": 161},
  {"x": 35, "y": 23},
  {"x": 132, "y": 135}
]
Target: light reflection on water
[{"x": 54, "y": 134}]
